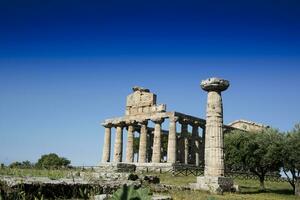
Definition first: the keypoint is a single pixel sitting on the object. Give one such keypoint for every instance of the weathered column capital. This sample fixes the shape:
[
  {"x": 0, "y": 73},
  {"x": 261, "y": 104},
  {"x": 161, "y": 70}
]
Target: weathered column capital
[
  {"x": 184, "y": 121},
  {"x": 107, "y": 124},
  {"x": 174, "y": 119},
  {"x": 143, "y": 122},
  {"x": 158, "y": 120},
  {"x": 214, "y": 84},
  {"x": 119, "y": 124},
  {"x": 131, "y": 122},
  {"x": 195, "y": 124}
]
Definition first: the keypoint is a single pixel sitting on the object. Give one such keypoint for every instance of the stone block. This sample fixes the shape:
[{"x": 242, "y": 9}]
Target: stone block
[
  {"x": 216, "y": 185},
  {"x": 152, "y": 179},
  {"x": 101, "y": 197},
  {"x": 125, "y": 167},
  {"x": 161, "y": 197}
]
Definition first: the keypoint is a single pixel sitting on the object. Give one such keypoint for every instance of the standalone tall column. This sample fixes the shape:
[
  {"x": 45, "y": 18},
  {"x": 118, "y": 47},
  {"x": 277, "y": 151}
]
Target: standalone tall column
[
  {"x": 156, "y": 156},
  {"x": 172, "y": 140},
  {"x": 143, "y": 142},
  {"x": 107, "y": 143},
  {"x": 214, "y": 179},
  {"x": 129, "y": 146},
  {"x": 214, "y": 155},
  {"x": 118, "y": 143}
]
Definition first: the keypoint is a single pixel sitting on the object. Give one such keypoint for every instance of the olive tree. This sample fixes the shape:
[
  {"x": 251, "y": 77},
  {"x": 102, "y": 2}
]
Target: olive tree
[
  {"x": 257, "y": 152},
  {"x": 291, "y": 155}
]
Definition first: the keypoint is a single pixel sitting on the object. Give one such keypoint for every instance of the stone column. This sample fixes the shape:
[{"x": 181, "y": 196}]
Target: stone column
[
  {"x": 172, "y": 140},
  {"x": 107, "y": 143},
  {"x": 118, "y": 142},
  {"x": 214, "y": 144},
  {"x": 129, "y": 146},
  {"x": 156, "y": 155},
  {"x": 185, "y": 141},
  {"x": 214, "y": 179},
  {"x": 202, "y": 146},
  {"x": 143, "y": 142},
  {"x": 197, "y": 152},
  {"x": 195, "y": 143},
  {"x": 150, "y": 134}
]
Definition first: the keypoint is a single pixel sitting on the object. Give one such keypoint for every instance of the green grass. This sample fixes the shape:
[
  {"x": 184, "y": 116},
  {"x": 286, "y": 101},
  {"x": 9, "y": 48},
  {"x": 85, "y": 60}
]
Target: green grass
[
  {"x": 52, "y": 174},
  {"x": 249, "y": 190}
]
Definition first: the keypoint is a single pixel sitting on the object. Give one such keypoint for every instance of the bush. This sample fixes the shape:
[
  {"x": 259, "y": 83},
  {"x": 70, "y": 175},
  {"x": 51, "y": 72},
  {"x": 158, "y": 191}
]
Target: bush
[
  {"x": 22, "y": 165},
  {"x": 52, "y": 161}
]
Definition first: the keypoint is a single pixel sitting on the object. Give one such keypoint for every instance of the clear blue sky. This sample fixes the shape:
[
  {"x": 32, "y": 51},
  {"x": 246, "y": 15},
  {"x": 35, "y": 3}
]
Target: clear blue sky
[{"x": 65, "y": 66}]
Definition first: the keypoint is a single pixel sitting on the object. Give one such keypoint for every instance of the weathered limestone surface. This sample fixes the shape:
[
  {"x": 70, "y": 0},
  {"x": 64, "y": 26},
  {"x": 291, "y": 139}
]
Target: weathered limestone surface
[
  {"x": 183, "y": 147},
  {"x": 214, "y": 179},
  {"x": 142, "y": 101},
  {"x": 172, "y": 141},
  {"x": 247, "y": 125},
  {"x": 129, "y": 146},
  {"x": 156, "y": 156},
  {"x": 118, "y": 143},
  {"x": 107, "y": 143},
  {"x": 213, "y": 184},
  {"x": 143, "y": 142},
  {"x": 195, "y": 144}
]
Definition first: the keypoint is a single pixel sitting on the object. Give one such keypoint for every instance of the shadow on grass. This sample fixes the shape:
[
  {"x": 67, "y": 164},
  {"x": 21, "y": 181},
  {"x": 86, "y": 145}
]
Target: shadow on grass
[{"x": 255, "y": 190}]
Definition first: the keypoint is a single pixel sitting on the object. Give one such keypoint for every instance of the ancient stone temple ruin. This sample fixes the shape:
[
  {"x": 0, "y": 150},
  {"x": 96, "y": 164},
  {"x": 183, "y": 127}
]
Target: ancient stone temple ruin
[
  {"x": 185, "y": 144},
  {"x": 141, "y": 108},
  {"x": 184, "y": 147}
]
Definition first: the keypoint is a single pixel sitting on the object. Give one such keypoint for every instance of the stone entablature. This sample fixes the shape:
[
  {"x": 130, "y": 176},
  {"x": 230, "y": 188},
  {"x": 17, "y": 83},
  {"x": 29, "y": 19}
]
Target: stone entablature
[{"x": 247, "y": 125}]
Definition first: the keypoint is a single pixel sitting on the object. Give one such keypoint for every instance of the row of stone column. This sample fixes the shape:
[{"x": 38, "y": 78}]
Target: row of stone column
[
  {"x": 190, "y": 147},
  {"x": 183, "y": 150}
]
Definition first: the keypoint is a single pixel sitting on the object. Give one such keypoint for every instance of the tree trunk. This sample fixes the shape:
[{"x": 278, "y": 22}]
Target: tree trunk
[{"x": 262, "y": 183}]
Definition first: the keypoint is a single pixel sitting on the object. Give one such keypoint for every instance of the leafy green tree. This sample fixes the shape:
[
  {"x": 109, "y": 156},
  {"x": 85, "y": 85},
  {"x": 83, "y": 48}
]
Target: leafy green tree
[
  {"x": 257, "y": 152},
  {"x": 291, "y": 155},
  {"x": 52, "y": 160},
  {"x": 22, "y": 165},
  {"x": 15, "y": 165}
]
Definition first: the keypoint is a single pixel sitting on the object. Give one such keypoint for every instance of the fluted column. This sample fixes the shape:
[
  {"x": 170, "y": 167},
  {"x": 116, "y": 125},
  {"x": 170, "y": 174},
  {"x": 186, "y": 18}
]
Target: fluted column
[
  {"x": 185, "y": 141},
  {"x": 214, "y": 142},
  {"x": 143, "y": 142},
  {"x": 172, "y": 140},
  {"x": 118, "y": 148},
  {"x": 195, "y": 143},
  {"x": 107, "y": 143},
  {"x": 156, "y": 155},
  {"x": 202, "y": 146},
  {"x": 129, "y": 146}
]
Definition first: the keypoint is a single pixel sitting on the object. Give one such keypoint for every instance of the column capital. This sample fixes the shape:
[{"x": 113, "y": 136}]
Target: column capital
[
  {"x": 184, "y": 121},
  {"x": 107, "y": 124},
  {"x": 130, "y": 122},
  {"x": 119, "y": 124},
  {"x": 174, "y": 118},
  {"x": 214, "y": 84},
  {"x": 196, "y": 123},
  {"x": 158, "y": 120},
  {"x": 143, "y": 121}
]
